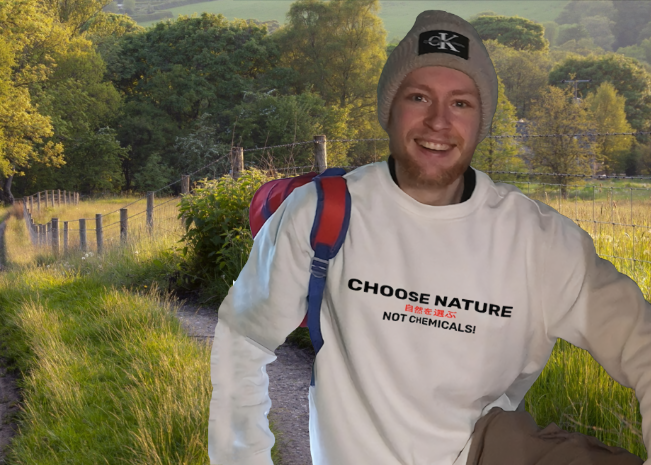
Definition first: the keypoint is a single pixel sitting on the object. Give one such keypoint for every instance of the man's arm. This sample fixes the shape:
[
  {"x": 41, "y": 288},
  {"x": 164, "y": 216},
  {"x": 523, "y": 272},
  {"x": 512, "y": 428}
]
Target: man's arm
[
  {"x": 589, "y": 303},
  {"x": 265, "y": 304}
]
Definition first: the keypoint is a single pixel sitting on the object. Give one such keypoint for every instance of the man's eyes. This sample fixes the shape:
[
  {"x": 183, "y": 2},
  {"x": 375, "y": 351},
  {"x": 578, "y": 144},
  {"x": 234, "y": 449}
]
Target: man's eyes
[{"x": 463, "y": 102}]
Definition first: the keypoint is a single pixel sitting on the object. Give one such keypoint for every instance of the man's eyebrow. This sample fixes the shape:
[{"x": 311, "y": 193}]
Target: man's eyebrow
[{"x": 453, "y": 92}]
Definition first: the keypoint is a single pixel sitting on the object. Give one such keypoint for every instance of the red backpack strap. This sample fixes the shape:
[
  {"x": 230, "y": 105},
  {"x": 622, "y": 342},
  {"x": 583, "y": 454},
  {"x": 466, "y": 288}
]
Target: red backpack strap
[{"x": 328, "y": 233}]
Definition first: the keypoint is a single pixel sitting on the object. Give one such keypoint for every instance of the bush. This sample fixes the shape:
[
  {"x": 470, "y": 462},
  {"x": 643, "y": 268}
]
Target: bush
[{"x": 218, "y": 245}]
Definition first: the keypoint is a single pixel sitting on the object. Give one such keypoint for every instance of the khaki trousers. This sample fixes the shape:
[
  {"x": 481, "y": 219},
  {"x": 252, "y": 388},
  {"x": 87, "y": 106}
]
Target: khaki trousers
[{"x": 514, "y": 438}]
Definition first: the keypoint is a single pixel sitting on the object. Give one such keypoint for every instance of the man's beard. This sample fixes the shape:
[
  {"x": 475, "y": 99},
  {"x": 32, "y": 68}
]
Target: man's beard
[{"x": 416, "y": 177}]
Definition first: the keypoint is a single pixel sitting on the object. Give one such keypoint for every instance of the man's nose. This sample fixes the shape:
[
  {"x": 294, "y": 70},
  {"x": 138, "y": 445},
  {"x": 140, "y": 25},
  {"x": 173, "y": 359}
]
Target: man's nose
[{"x": 438, "y": 116}]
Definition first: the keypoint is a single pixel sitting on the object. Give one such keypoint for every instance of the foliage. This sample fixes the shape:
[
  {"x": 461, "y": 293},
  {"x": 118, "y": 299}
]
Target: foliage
[
  {"x": 499, "y": 154},
  {"x": 512, "y": 31},
  {"x": 631, "y": 21},
  {"x": 556, "y": 113},
  {"x": 219, "y": 212},
  {"x": 338, "y": 50},
  {"x": 551, "y": 32},
  {"x": 600, "y": 29},
  {"x": 607, "y": 110},
  {"x": 265, "y": 120},
  {"x": 523, "y": 73},
  {"x": 176, "y": 71},
  {"x": 28, "y": 38},
  {"x": 572, "y": 32},
  {"x": 574, "y": 10},
  {"x": 629, "y": 79}
]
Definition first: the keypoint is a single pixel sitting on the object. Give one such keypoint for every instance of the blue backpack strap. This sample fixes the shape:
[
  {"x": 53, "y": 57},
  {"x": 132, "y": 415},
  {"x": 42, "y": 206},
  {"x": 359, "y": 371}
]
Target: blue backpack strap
[{"x": 328, "y": 233}]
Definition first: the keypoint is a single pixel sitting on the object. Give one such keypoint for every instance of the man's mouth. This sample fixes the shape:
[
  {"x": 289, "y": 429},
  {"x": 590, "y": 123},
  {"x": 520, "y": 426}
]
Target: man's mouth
[{"x": 434, "y": 147}]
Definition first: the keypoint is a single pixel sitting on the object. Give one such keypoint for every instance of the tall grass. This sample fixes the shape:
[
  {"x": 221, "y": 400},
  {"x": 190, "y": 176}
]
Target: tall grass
[{"x": 109, "y": 375}]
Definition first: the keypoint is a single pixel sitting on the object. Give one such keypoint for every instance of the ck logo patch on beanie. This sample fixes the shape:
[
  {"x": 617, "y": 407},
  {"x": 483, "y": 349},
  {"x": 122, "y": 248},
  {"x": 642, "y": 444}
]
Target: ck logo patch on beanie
[{"x": 443, "y": 42}]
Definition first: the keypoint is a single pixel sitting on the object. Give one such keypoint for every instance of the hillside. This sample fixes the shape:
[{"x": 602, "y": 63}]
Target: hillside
[{"x": 398, "y": 17}]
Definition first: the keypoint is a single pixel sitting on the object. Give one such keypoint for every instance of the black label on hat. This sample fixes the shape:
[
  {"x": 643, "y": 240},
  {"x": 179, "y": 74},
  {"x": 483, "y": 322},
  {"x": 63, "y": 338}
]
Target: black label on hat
[{"x": 443, "y": 42}]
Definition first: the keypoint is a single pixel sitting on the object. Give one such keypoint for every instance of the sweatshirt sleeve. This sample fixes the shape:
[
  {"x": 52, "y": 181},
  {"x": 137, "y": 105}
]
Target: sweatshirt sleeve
[
  {"x": 265, "y": 304},
  {"x": 588, "y": 303}
]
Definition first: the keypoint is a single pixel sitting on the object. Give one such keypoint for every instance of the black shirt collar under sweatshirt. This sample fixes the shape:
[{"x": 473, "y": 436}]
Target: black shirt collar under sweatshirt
[{"x": 469, "y": 179}]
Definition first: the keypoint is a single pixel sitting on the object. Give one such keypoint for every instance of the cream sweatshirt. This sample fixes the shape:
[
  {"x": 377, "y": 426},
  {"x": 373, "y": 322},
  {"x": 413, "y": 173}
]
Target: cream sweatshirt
[{"x": 431, "y": 316}]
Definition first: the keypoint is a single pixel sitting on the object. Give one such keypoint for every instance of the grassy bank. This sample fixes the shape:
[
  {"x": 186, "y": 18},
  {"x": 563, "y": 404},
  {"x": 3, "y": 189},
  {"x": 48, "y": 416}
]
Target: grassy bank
[{"x": 109, "y": 376}]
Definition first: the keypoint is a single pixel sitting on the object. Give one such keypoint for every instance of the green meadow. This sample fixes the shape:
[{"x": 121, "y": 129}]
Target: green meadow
[{"x": 398, "y": 17}]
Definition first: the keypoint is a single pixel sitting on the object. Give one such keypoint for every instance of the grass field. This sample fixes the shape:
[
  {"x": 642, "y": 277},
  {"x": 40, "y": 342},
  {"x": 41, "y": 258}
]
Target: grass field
[
  {"x": 110, "y": 376},
  {"x": 109, "y": 371},
  {"x": 398, "y": 17},
  {"x": 165, "y": 217}
]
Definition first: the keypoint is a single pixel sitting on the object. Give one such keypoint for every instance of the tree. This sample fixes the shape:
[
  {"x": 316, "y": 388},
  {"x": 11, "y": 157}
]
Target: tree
[
  {"x": 551, "y": 32},
  {"x": 607, "y": 110},
  {"x": 556, "y": 113},
  {"x": 28, "y": 37},
  {"x": 499, "y": 154},
  {"x": 523, "y": 73},
  {"x": 512, "y": 31},
  {"x": 338, "y": 50},
  {"x": 572, "y": 32},
  {"x": 175, "y": 71},
  {"x": 600, "y": 29},
  {"x": 75, "y": 13},
  {"x": 576, "y": 9},
  {"x": 630, "y": 20},
  {"x": 626, "y": 75}
]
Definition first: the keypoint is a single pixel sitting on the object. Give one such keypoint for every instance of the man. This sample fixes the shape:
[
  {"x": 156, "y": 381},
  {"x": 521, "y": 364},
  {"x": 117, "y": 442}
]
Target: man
[{"x": 444, "y": 302}]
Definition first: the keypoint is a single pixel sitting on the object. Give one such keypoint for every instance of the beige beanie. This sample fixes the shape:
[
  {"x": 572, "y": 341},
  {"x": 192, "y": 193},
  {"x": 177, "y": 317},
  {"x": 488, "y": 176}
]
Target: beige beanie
[{"x": 439, "y": 38}]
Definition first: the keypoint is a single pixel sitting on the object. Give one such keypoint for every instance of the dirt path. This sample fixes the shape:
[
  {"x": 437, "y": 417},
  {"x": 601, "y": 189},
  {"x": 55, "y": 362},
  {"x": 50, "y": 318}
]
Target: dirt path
[
  {"x": 289, "y": 381},
  {"x": 9, "y": 393}
]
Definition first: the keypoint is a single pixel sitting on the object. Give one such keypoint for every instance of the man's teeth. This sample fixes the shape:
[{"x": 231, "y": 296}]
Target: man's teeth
[{"x": 433, "y": 146}]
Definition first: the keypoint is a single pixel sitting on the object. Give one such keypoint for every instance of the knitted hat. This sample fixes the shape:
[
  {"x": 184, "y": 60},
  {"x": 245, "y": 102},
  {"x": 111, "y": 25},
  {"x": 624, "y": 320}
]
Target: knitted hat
[{"x": 439, "y": 38}]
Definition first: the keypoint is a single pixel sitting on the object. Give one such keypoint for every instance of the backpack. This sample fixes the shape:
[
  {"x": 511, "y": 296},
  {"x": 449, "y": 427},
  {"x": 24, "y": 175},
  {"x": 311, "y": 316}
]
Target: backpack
[{"x": 328, "y": 230}]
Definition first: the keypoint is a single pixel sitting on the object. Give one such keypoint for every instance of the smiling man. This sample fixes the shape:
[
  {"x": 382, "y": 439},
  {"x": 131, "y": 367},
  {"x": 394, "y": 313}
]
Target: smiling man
[{"x": 444, "y": 302}]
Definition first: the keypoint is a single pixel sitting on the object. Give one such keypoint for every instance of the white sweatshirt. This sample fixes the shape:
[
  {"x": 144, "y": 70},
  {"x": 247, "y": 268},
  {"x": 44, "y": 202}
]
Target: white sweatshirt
[{"x": 431, "y": 316}]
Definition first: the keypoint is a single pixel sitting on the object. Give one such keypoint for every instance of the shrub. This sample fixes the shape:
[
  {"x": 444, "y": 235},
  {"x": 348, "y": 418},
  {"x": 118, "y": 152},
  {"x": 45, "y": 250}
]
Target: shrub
[{"x": 217, "y": 233}]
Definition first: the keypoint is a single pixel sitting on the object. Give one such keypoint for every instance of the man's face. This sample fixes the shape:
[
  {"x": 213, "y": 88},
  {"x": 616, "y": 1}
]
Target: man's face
[{"x": 438, "y": 105}]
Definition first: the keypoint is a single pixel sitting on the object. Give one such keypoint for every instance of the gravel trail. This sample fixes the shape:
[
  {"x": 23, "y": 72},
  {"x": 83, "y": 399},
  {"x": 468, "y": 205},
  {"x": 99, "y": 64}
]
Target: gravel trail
[
  {"x": 289, "y": 381},
  {"x": 9, "y": 393}
]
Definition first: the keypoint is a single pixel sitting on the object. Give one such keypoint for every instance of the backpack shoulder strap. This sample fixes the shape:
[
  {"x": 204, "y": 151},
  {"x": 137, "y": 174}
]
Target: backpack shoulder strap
[{"x": 328, "y": 232}]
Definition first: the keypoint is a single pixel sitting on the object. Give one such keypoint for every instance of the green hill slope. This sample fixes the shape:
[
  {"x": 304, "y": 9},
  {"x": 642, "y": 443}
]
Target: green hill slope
[{"x": 398, "y": 16}]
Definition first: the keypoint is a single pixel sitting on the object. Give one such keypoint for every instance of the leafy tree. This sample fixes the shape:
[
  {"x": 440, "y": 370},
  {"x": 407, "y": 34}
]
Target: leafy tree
[
  {"x": 483, "y": 13},
  {"x": 574, "y": 10},
  {"x": 607, "y": 110},
  {"x": 640, "y": 52},
  {"x": 572, "y": 32},
  {"x": 177, "y": 70},
  {"x": 600, "y": 29},
  {"x": 499, "y": 154},
  {"x": 75, "y": 13},
  {"x": 338, "y": 50},
  {"x": 512, "y": 31},
  {"x": 523, "y": 73},
  {"x": 28, "y": 37},
  {"x": 582, "y": 47},
  {"x": 631, "y": 19},
  {"x": 551, "y": 32},
  {"x": 629, "y": 79},
  {"x": 556, "y": 113}
]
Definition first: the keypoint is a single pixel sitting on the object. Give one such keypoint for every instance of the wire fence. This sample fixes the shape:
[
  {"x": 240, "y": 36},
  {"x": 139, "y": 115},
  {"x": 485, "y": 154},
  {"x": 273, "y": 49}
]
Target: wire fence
[{"x": 614, "y": 209}]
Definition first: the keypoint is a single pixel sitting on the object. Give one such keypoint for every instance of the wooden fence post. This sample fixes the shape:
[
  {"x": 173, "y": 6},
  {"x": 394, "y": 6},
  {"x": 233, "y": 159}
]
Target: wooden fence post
[
  {"x": 83, "y": 245},
  {"x": 65, "y": 198},
  {"x": 123, "y": 225},
  {"x": 48, "y": 233},
  {"x": 185, "y": 190},
  {"x": 150, "y": 212},
  {"x": 41, "y": 233},
  {"x": 38, "y": 202},
  {"x": 320, "y": 153},
  {"x": 99, "y": 233},
  {"x": 58, "y": 197},
  {"x": 237, "y": 161},
  {"x": 65, "y": 237},
  {"x": 55, "y": 236},
  {"x": 31, "y": 204}
]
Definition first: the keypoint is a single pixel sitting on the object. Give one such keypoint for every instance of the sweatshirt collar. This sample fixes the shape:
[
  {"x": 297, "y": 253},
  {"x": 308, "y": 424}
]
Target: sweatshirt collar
[{"x": 406, "y": 202}]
